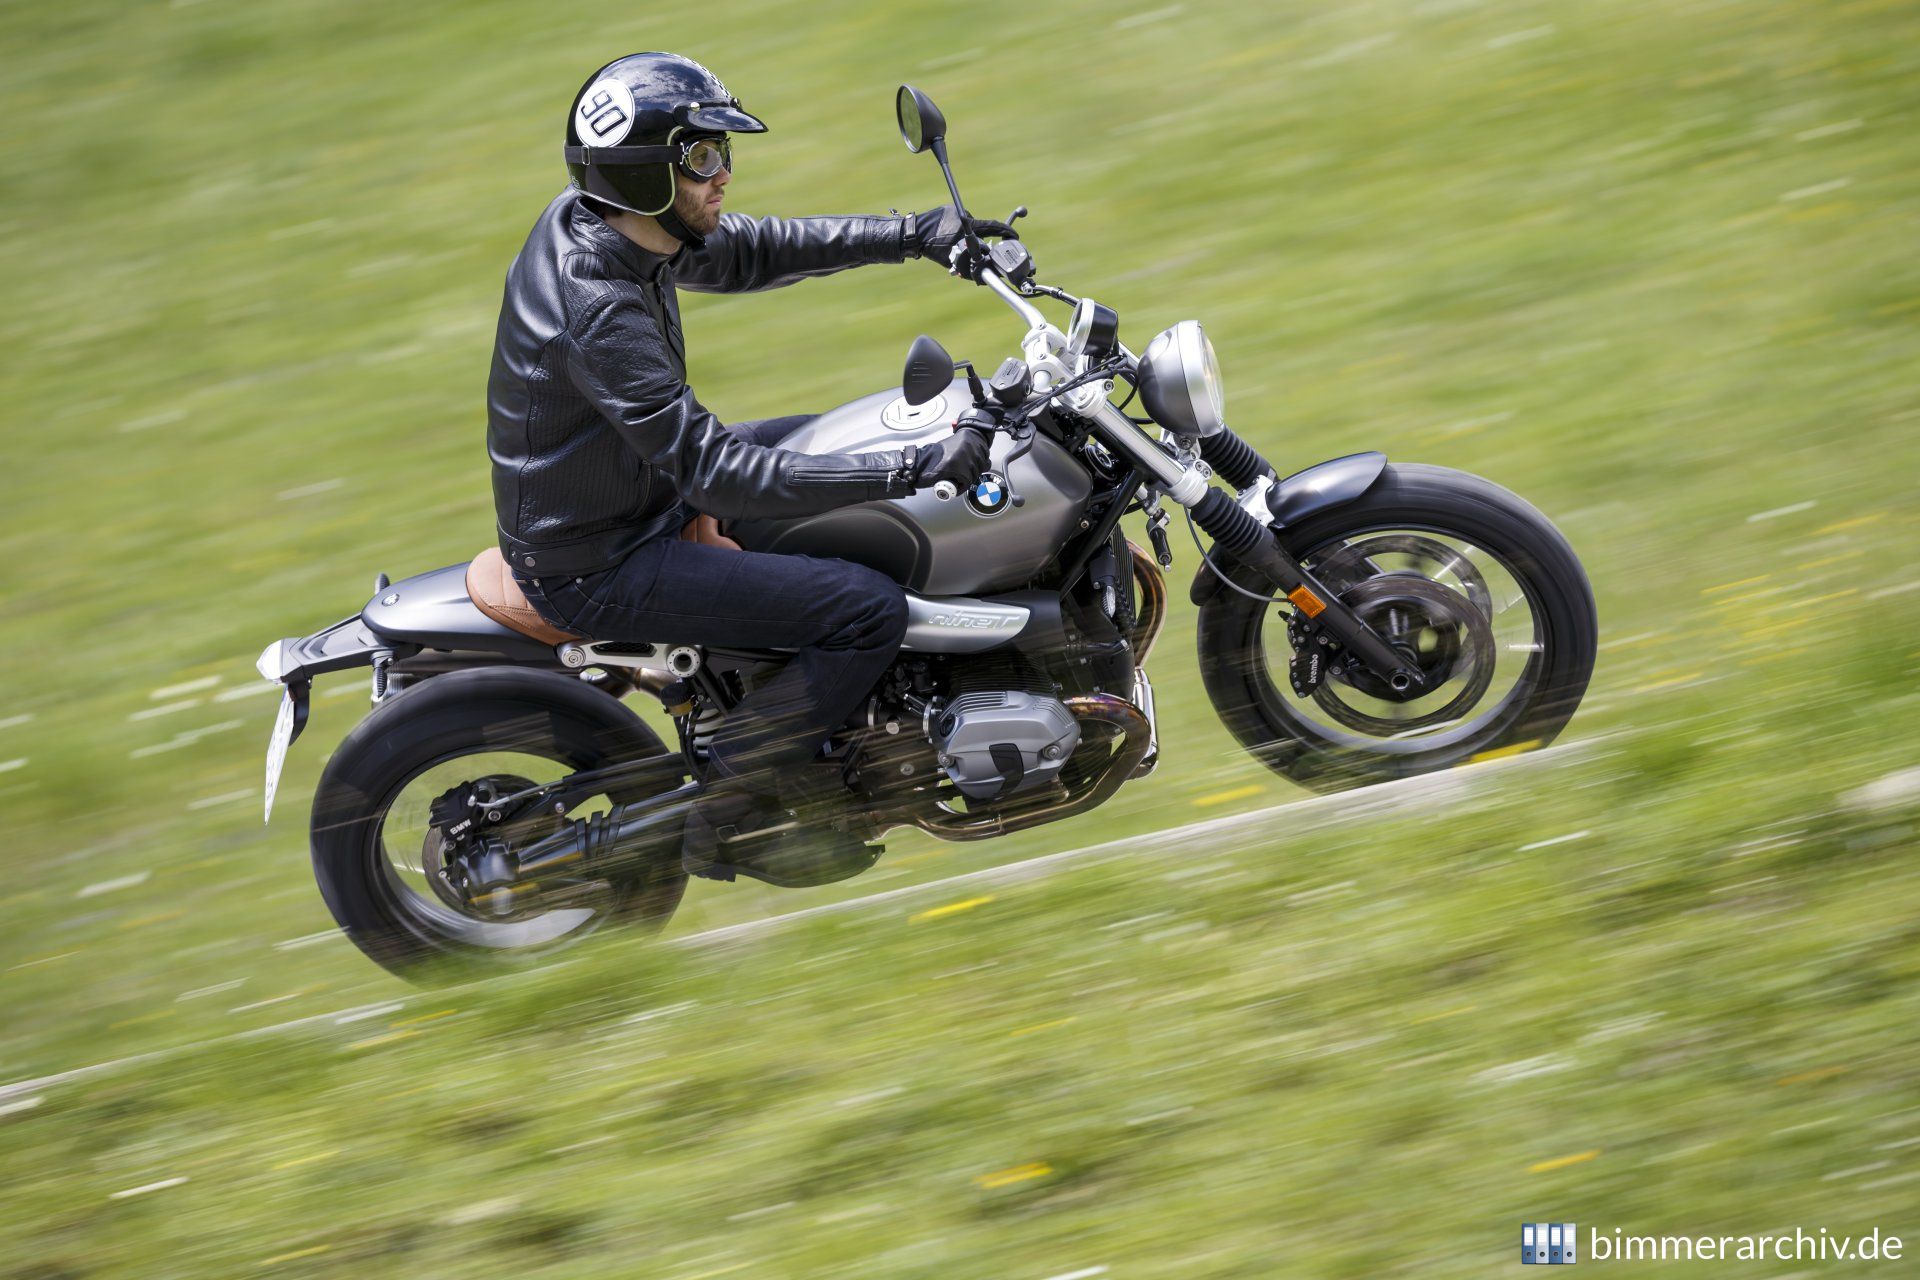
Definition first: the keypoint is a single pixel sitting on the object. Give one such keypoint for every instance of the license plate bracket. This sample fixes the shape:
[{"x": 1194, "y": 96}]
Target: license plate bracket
[{"x": 287, "y": 725}]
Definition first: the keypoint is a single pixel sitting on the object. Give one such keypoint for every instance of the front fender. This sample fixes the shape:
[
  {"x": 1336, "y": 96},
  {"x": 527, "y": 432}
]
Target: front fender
[{"x": 1303, "y": 494}]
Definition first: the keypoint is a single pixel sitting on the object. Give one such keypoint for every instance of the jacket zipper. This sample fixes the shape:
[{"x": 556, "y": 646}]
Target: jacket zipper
[{"x": 827, "y": 475}]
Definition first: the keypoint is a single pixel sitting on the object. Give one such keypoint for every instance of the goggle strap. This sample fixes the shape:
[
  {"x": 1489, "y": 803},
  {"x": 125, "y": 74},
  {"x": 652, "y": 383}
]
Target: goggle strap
[{"x": 622, "y": 155}]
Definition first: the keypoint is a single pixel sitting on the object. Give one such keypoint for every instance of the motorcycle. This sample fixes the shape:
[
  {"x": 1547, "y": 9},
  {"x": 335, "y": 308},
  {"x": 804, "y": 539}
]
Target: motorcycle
[{"x": 1359, "y": 620}]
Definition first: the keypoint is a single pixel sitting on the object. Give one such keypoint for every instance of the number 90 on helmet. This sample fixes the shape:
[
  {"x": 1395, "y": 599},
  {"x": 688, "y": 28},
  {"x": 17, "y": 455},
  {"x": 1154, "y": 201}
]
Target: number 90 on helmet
[{"x": 624, "y": 121}]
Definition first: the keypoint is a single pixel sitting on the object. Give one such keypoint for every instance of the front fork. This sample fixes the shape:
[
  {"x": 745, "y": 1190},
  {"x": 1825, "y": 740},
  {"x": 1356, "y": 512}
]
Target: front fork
[
  {"x": 1246, "y": 538},
  {"x": 1256, "y": 546}
]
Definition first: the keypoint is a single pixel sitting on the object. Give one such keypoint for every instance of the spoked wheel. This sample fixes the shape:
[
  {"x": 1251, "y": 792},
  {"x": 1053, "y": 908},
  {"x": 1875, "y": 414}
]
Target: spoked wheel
[
  {"x": 1471, "y": 584},
  {"x": 379, "y": 857}
]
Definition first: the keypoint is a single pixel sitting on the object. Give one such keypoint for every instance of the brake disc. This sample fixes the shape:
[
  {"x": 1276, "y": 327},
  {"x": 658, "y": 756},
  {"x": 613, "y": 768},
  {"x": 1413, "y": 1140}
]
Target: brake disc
[
  {"x": 1440, "y": 633},
  {"x": 1348, "y": 565},
  {"x": 433, "y": 863}
]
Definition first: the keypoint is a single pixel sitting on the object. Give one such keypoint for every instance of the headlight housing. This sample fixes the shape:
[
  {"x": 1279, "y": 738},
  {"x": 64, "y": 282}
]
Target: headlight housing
[{"x": 1180, "y": 381}]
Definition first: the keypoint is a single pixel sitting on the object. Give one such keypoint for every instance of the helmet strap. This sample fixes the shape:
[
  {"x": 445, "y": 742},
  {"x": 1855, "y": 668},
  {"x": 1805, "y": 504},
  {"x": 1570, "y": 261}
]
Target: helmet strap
[{"x": 669, "y": 219}]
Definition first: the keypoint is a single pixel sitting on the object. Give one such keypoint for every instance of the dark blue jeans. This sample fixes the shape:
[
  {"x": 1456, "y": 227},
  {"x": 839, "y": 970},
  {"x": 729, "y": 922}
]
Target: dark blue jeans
[{"x": 844, "y": 620}]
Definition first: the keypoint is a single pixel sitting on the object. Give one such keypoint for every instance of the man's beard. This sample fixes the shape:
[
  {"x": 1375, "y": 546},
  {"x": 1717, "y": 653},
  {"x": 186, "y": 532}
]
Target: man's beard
[{"x": 690, "y": 204}]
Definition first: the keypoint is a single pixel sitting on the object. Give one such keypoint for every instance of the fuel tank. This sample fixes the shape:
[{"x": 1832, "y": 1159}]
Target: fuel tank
[{"x": 973, "y": 544}]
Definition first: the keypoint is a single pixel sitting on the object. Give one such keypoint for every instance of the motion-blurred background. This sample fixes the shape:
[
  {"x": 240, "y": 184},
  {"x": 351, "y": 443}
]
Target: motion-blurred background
[{"x": 1649, "y": 264}]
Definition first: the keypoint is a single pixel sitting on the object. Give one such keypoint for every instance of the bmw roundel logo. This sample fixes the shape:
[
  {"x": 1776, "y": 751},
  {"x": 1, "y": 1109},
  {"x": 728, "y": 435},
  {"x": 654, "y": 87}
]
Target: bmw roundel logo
[{"x": 989, "y": 496}]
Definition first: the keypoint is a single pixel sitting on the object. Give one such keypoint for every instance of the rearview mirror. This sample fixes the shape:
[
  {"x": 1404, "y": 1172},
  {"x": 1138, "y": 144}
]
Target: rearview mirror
[
  {"x": 929, "y": 371},
  {"x": 921, "y": 124}
]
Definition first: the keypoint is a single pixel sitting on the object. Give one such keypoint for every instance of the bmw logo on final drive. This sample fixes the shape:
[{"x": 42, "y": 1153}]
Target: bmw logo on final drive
[{"x": 989, "y": 497}]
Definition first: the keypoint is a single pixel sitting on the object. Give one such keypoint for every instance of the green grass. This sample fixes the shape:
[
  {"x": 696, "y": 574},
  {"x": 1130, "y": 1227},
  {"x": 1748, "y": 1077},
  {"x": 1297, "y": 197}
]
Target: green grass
[{"x": 1649, "y": 265}]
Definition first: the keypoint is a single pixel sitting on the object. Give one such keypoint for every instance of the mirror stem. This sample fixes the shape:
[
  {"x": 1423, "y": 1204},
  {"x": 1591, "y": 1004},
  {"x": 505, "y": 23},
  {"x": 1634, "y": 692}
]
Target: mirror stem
[{"x": 940, "y": 154}]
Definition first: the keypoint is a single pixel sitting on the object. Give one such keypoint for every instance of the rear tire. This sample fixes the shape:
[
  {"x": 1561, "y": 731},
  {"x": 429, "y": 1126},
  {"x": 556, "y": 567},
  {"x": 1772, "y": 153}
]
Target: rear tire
[
  {"x": 490, "y": 711},
  {"x": 1239, "y": 637}
]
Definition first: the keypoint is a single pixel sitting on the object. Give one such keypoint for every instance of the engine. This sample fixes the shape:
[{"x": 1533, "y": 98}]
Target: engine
[
  {"x": 995, "y": 743},
  {"x": 998, "y": 725}
]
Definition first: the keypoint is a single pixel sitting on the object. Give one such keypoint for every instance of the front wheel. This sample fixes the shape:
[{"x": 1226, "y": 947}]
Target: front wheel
[
  {"x": 376, "y": 851},
  {"x": 1467, "y": 580}
]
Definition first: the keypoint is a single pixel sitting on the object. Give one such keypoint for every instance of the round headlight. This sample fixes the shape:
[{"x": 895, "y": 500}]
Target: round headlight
[{"x": 1180, "y": 381}]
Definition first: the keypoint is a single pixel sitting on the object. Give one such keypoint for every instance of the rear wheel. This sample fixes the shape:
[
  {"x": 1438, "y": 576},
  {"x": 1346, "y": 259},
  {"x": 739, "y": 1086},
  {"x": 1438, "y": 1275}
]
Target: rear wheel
[
  {"x": 376, "y": 853},
  {"x": 1468, "y": 581}
]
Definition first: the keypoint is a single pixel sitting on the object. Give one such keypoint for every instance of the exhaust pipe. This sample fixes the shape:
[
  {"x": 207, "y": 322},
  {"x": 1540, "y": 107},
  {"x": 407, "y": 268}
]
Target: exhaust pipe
[
  {"x": 626, "y": 833},
  {"x": 635, "y": 833}
]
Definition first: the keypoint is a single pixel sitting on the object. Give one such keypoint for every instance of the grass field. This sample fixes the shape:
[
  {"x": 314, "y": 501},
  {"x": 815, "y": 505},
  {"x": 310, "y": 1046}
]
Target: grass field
[{"x": 1650, "y": 265}]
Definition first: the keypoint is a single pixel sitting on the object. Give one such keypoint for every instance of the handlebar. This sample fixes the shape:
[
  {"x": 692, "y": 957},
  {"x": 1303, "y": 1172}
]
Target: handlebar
[
  {"x": 1182, "y": 484},
  {"x": 1024, "y": 309}
]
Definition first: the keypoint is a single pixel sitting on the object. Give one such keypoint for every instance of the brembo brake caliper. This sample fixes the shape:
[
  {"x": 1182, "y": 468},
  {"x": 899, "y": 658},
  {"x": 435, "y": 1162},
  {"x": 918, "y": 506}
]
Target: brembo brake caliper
[
  {"x": 473, "y": 861},
  {"x": 1311, "y": 660}
]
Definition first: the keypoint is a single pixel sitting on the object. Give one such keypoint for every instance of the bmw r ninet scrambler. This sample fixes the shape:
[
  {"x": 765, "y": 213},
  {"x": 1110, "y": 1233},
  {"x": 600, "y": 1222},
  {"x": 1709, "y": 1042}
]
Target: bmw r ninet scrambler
[{"x": 1358, "y": 621}]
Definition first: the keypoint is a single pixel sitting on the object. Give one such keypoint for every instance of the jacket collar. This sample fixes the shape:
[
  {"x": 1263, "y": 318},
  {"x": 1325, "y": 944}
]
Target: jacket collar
[{"x": 643, "y": 262}]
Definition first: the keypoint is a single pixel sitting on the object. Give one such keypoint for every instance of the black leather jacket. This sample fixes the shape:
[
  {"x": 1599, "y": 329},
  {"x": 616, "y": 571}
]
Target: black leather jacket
[{"x": 598, "y": 444}]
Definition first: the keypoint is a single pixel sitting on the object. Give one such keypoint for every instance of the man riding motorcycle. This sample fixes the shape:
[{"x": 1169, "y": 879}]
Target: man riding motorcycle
[{"x": 602, "y": 456}]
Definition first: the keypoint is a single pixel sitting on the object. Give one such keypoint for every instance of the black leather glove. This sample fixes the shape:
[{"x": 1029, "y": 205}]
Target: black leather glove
[
  {"x": 932, "y": 235},
  {"x": 960, "y": 458}
]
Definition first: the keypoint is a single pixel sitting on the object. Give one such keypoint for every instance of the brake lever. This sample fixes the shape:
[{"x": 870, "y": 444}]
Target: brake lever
[{"x": 1021, "y": 430}]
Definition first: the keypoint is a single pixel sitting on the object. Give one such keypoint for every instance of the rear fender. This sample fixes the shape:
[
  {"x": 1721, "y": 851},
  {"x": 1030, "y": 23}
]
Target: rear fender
[
  {"x": 347, "y": 643},
  {"x": 432, "y": 611}
]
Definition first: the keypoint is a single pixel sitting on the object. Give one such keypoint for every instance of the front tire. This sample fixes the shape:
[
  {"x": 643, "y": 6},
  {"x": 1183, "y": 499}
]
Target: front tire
[
  {"x": 369, "y": 815},
  {"x": 1479, "y": 544}
]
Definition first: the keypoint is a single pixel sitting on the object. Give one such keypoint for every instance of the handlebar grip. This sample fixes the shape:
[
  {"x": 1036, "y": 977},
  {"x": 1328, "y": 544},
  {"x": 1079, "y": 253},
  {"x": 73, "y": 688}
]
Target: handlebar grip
[{"x": 946, "y": 491}]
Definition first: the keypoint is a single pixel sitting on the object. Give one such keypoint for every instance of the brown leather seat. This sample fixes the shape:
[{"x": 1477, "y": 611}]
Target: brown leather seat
[
  {"x": 491, "y": 587},
  {"x": 494, "y": 592},
  {"x": 706, "y": 531}
]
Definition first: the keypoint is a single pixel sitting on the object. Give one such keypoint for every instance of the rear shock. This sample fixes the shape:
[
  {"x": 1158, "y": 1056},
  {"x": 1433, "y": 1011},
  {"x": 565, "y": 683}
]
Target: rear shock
[{"x": 698, "y": 730}]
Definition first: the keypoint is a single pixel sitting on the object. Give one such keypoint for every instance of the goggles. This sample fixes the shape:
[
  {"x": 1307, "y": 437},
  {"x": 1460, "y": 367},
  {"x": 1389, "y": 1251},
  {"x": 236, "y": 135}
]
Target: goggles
[{"x": 703, "y": 158}]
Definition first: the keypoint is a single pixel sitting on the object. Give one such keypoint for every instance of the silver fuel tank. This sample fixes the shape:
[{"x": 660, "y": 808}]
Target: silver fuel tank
[{"x": 974, "y": 544}]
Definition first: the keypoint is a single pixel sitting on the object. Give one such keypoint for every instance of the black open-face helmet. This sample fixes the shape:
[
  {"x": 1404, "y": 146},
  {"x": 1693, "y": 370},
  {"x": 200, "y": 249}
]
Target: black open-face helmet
[{"x": 631, "y": 124}]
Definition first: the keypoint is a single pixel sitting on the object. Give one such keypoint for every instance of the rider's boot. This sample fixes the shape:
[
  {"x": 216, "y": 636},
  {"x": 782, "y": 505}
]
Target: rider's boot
[{"x": 723, "y": 815}]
